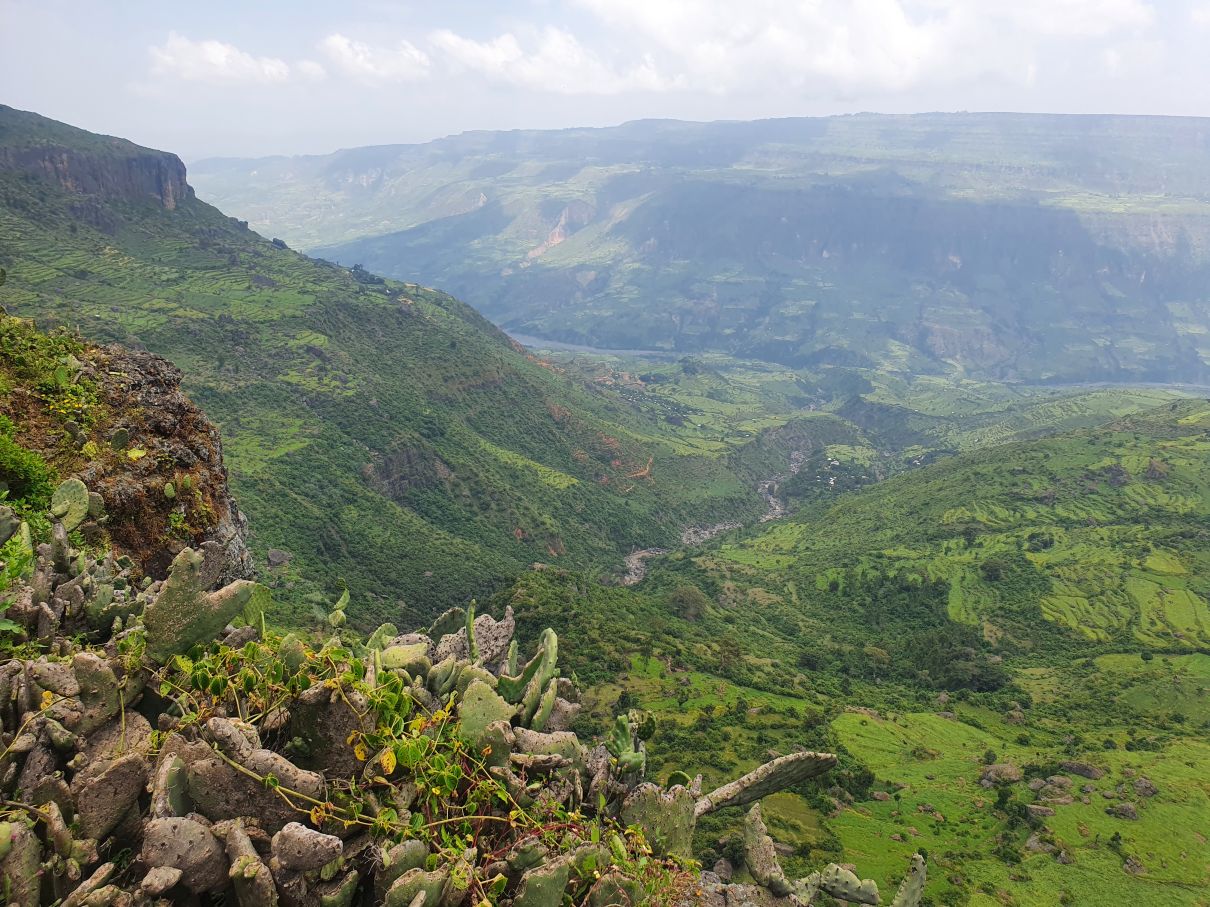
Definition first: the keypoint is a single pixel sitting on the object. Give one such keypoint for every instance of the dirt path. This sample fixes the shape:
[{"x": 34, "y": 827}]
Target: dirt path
[
  {"x": 636, "y": 565},
  {"x": 636, "y": 562}
]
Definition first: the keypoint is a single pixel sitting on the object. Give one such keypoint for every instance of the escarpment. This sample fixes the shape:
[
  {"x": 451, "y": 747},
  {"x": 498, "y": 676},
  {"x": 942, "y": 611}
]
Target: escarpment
[{"x": 112, "y": 169}]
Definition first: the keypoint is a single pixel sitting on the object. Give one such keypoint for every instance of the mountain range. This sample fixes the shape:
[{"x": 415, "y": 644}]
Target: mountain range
[{"x": 1013, "y": 247}]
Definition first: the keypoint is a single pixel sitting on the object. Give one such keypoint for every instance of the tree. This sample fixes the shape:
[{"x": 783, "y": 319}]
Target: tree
[{"x": 688, "y": 602}]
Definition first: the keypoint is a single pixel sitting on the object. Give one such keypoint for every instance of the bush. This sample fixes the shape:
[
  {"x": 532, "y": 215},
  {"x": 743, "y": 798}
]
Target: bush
[
  {"x": 26, "y": 476},
  {"x": 688, "y": 602}
]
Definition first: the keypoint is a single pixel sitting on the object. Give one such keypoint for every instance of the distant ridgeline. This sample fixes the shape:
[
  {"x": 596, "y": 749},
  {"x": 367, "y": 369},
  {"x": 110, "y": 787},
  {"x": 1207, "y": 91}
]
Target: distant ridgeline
[
  {"x": 383, "y": 435},
  {"x": 1024, "y": 247}
]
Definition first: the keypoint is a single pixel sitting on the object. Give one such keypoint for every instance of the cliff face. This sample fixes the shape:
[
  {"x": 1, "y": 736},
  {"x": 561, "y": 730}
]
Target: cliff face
[
  {"x": 123, "y": 176},
  {"x": 144, "y": 391},
  {"x": 100, "y": 167}
]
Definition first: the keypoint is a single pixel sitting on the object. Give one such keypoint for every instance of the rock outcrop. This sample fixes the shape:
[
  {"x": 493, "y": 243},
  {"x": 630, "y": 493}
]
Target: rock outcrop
[
  {"x": 147, "y": 469},
  {"x": 115, "y": 169}
]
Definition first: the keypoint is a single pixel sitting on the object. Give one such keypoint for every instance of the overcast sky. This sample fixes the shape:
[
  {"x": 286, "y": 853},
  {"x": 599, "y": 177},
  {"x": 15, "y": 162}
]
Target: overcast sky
[{"x": 251, "y": 77}]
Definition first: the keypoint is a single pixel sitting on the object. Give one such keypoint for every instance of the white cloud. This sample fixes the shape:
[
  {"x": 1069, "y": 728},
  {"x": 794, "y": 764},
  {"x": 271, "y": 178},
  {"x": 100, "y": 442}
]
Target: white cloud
[
  {"x": 214, "y": 62},
  {"x": 557, "y": 62},
  {"x": 311, "y": 70},
  {"x": 1062, "y": 18},
  {"x": 1199, "y": 14},
  {"x": 403, "y": 63},
  {"x": 855, "y": 46}
]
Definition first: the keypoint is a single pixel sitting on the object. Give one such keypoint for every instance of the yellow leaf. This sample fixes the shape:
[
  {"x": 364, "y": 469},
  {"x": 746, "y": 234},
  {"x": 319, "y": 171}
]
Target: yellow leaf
[
  {"x": 361, "y": 752},
  {"x": 136, "y": 453},
  {"x": 388, "y": 760},
  {"x": 48, "y": 699}
]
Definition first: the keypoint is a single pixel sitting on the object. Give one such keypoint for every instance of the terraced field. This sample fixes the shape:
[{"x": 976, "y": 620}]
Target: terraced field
[{"x": 1111, "y": 521}]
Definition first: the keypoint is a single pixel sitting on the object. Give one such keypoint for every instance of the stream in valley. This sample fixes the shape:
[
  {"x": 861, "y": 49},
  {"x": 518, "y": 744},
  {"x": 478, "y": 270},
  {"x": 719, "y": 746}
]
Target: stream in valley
[{"x": 775, "y": 508}]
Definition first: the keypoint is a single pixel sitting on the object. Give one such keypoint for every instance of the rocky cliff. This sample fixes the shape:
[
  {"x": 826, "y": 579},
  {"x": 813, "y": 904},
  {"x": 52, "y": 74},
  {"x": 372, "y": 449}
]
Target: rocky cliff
[
  {"x": 111, "y": 169},
  {"x": 116, "y": 420}
]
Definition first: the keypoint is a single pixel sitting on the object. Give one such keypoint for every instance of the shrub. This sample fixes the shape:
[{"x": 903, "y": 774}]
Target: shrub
[{"x": 27, "y": 477}]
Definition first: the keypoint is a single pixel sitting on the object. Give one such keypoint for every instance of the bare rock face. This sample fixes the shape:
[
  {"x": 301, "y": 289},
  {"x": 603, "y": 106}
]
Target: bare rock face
[
  {"x": 1083, "y": 769},
  {"x": 130, "y": 174},
  {"x": 1000, "y": 773},
  {"x": 170, "y": 428}
]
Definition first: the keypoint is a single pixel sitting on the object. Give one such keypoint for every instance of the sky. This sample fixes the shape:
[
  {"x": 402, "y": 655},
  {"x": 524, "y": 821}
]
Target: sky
[{"x": 258, "y": 77}]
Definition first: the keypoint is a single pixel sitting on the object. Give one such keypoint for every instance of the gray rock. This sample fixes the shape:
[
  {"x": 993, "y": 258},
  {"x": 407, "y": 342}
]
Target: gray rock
[
  {"x": 1145, "y": 787},
  {"x": 1123, "y": 811},
  {"x": 9, "y": 524},
  {"x": 1083, "y": 769}
]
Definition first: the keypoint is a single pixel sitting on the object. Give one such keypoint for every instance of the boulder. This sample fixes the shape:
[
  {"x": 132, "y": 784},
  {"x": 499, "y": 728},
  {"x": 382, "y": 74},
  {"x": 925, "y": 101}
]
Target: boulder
[
  {"x": 1123, "y": 811},
  {"x": 1083, "y": 769}
]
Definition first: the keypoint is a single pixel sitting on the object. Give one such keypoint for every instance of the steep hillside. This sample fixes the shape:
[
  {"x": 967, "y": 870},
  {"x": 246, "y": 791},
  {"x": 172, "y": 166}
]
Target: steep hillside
[
  {"x": 1015, "y": 247},
  {"x": 1101, "y": 532},
  {"x": 383, "y": 435},
  {"x": 1007, "y": 650}
]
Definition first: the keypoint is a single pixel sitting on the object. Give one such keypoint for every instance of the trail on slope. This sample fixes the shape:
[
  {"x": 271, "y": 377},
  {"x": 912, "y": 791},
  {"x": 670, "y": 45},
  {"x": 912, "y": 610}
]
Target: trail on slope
[{"x": 636, "y": 562}]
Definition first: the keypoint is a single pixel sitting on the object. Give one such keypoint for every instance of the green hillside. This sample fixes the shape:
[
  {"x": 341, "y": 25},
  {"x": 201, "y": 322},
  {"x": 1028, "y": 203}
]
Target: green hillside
[
  {"x": 1102, "y": 532},
  {"x": 383, "y": 434},
  {"x": 1038, "y": 603},
  {"x": 1036, "y": 248}
]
